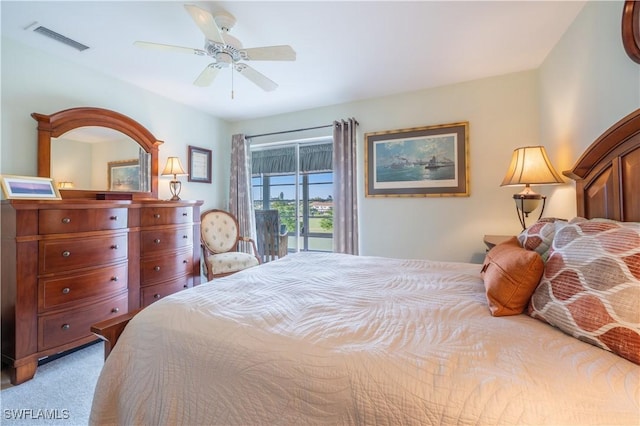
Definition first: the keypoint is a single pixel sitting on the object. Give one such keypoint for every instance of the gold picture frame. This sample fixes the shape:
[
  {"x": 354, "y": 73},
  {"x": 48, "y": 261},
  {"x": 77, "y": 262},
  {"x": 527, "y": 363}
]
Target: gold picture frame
[{"x": 431, "y": 161}]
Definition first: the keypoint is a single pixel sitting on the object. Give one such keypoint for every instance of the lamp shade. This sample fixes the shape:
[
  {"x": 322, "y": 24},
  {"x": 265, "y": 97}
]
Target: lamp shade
[
  {"x": 530, "y": 165},
  {"x": 173, "y": 167}
]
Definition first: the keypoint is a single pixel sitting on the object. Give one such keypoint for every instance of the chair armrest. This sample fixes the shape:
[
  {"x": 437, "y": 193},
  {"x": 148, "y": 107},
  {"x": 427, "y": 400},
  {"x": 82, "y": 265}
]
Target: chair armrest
[
  {"x": 283, "y": 245},
  {"x": 253, "y": 244}
]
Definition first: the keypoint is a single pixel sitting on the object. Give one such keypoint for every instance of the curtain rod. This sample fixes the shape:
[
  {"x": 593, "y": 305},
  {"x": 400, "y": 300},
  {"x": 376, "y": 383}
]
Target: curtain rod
[{"x": 288, "y": 131}]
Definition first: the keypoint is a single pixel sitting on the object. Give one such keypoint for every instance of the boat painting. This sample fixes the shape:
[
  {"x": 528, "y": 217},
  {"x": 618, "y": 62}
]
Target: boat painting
[{"x": 416, "y": 162}]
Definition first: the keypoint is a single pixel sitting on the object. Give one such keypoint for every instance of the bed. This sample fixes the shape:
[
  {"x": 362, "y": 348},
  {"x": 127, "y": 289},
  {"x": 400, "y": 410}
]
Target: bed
[{"x": 404, "y": 341}]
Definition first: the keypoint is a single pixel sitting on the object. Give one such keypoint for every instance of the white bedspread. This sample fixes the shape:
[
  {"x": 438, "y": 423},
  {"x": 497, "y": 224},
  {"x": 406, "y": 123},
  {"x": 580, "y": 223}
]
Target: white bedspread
[{"x": 339, "y": 339}]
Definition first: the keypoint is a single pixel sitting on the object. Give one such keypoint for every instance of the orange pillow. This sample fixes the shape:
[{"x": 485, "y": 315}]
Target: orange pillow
[{"x": 511, "y": 275}]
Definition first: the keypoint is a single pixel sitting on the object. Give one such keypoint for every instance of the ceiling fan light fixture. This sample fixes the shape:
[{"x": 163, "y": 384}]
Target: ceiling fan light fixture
[
  {"x": 223, "y": 59},
  {"x": 226, "y": 50}
]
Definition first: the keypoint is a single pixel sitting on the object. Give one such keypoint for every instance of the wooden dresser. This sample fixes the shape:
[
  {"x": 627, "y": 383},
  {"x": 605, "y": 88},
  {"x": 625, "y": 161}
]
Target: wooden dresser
[
  {"x": 167, "y": 252},
  {"x": 71, "y": 263}
]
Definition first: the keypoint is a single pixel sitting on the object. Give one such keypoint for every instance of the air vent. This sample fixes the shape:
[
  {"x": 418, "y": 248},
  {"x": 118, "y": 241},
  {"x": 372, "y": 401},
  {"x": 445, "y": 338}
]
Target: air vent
[{"x": 62, "y": 39}]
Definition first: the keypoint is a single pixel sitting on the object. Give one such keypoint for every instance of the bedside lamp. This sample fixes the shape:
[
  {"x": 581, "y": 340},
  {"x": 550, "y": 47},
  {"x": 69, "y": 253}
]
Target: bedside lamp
[
  {"x": 530, "y": 166},
  {"x": 173, "y": 167}
]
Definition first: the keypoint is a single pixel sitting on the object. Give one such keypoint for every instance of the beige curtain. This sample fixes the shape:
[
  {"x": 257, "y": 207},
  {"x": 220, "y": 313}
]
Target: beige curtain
[
  {"x": 240, "y": 198},
  {"x": 345, "y": 190}
]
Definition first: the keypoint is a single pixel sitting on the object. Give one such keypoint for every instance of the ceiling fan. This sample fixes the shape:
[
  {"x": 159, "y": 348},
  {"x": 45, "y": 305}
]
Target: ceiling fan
[{"x": 226, "y": 50}]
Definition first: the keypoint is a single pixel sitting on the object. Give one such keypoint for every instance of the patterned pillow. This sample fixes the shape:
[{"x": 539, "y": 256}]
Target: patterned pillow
[
  {"x": 590, "y": 288},
  {"x": 538, "y": 237}
]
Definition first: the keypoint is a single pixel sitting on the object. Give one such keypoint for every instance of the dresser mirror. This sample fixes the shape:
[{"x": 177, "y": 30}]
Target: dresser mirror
[{"x": 97, "y": 153}]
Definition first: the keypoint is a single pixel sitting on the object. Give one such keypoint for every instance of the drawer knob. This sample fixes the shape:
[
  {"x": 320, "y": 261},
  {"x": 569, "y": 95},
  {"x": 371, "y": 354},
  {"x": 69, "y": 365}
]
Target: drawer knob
[
  {"x": 157, "y": 241},
  {"x": 185, "y": 261},
  {"x": 156, "y": 296},
  {"x": 114, "y": 279},
  {"x": 156, "y": 268},
  {"x": 66, "y": 253},
  {"x": 185, "y": 286},
  {"x": 157, "y": 215},
  {"x": 115, "y": 247},
  {"x": 115, "y": 310},
  {"x": 185, "y": 214},
  {"x": 66, "y": 220},
  {"x": 66, "y": 290},
  {"x": 65, "y": 326},
  {"x": 114, "y": 218},
  {"x": 186, "y": 237}
]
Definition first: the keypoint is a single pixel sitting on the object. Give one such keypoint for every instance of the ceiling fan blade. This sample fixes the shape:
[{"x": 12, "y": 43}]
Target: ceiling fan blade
[
  {"x": 204, "y": 21},
  {"x": 269, "y": 53},
  {"x": 207, "y": 76},
  {"x": 169, "y": 48},
  {"x": 257, "y": 78}
]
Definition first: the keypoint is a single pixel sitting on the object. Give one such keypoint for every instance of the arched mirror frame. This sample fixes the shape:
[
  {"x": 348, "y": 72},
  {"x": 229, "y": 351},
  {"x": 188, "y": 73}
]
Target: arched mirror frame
[
  {"x": 57, "y": 124},
  {"x": 631, "y": 29}
]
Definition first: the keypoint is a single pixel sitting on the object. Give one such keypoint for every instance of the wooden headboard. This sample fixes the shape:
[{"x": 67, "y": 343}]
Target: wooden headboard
[{"x": 607, "y": 175}]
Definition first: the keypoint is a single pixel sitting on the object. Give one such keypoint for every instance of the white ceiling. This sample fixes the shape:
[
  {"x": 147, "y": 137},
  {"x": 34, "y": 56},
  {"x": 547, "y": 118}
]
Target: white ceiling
[{"x": 346, "y": 51}]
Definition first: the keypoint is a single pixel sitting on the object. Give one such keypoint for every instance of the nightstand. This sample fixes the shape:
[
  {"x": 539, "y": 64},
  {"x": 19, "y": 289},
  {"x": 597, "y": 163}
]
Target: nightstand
[{"x": 492, "y": 240}]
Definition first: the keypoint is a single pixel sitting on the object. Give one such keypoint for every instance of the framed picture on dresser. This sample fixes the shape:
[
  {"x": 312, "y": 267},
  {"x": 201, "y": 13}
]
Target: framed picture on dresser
[{"x": 29, "y": 188}]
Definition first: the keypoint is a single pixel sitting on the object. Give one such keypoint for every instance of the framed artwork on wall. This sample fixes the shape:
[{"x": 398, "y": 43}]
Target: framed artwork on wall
[
  {"x": 124, "y": 175},
  {"x": 418, "y": 162},
  {"x": 199, "y": 164},
  {"x": 29, "y": 188}
]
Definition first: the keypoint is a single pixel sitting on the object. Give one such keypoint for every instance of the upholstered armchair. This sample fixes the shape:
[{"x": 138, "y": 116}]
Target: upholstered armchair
[{"x": 220, "y": 236}]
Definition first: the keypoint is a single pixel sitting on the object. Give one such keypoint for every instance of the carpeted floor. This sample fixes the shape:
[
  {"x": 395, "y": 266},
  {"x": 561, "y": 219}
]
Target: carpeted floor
[{"x": 60, "y": 393}]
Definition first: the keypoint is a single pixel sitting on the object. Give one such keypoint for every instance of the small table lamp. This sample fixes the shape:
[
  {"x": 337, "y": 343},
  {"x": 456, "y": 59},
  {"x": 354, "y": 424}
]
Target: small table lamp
[
  {"x": 173, "y": 167},
  {"x": 530, "y": 166}
]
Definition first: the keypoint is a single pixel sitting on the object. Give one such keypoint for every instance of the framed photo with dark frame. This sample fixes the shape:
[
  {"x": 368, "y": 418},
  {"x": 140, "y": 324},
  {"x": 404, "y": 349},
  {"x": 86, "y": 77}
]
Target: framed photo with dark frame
[
  {"x": 29, "y": 188},
  {"x": 418, "y": 162},
  {"x": 199, "y": 164},
  {"x": 123, "y": 175}
]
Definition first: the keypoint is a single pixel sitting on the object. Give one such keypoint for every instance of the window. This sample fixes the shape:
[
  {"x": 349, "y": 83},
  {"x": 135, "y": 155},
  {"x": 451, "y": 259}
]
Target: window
[{"x": 296, "y": 179}]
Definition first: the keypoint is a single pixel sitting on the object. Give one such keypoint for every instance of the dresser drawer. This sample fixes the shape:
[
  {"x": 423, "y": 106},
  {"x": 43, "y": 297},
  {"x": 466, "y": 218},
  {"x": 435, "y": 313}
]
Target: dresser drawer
[
  {"x": 152, "y": 216},
  {"x": 65, "y": 327},
  {"x": 58, "y": 292},
  {"x": 65, "y": 254},
  {"x": 154, "y": 241},
  {"x": 156, "y": 292},
  {"x": 162, "y": 268},
  {"x": 81, "y": 220}
]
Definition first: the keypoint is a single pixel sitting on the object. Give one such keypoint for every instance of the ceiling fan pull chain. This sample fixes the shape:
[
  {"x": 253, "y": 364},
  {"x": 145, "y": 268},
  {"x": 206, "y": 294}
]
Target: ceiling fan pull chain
[{"x": 232, "y": 83}]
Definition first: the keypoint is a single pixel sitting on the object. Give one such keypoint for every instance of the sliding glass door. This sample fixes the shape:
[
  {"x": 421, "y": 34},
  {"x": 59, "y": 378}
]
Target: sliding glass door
[{"x": 296, "y": 179}]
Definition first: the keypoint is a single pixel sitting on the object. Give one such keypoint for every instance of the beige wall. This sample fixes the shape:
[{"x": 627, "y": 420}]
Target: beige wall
[
  {"x": 502, "y": 113},
  {"x": 587, "y": 83}
]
